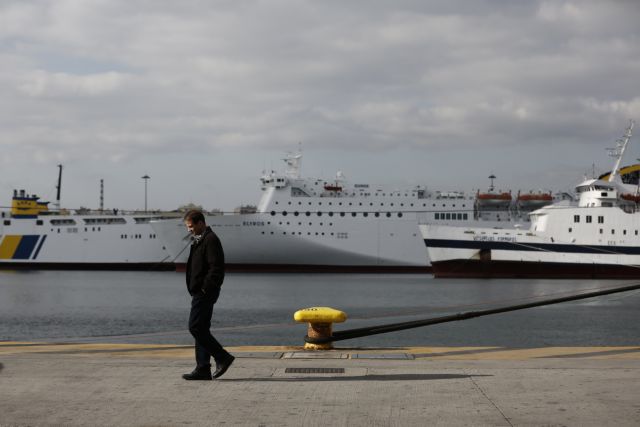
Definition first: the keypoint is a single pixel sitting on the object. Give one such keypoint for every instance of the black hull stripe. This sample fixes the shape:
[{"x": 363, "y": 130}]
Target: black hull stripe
[
  {"x": 307, "y": 268},
  {"x": 466, "y": 268},
  {"x": 533, "y": 247},
  {"x": 257, "y": 268}
]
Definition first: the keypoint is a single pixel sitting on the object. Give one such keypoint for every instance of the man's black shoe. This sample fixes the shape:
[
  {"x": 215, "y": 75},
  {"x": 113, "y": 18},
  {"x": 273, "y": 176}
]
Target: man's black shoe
[
  {"x": 222, "y": 367},
  {"x": 198, "y": 375}
]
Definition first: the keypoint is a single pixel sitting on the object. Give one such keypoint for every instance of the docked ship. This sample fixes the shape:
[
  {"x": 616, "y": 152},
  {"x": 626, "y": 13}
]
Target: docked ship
[
  {"x": 313, "y": 224},
  {"x": 595, "y": 237},
  {"x": 33, "y": 236}
]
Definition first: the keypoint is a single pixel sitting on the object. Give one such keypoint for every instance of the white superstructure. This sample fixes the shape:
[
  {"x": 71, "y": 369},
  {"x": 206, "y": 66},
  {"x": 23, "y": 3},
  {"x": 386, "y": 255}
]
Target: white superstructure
[
  {"x": 596, "y": 237},
  {"x": 32, "y": 236},
  {"x": 307, "y": 223}
]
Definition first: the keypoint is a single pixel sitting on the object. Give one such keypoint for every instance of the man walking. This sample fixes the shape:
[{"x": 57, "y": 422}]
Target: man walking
[{"x": 205, "y": 274}]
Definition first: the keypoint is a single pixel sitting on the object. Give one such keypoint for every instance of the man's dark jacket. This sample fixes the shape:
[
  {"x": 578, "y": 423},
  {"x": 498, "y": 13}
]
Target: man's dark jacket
[{"x": 205, "y": 267}]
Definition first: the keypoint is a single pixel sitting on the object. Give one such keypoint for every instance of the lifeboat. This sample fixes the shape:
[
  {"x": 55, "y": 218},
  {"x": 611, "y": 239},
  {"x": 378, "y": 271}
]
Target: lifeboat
[
  {"x": 493, "y": 201},
  {"x": 631, "y": 197},
  {"x": 330, "y": 187},
  {"x": 532, "y": 201}
]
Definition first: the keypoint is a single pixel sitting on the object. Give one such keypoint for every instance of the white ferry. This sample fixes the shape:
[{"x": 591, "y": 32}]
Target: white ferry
[
  {"x": 316, "y": 224},
  {"x": 34, "y": 237},
  {"x": 597, "y": 237}
]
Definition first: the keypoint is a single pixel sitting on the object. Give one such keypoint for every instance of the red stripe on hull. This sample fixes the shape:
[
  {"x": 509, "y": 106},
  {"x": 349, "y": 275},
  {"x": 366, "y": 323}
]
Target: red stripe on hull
[
  {"x": 299, "y": 268},
  {"x": 537, "y": 270}
]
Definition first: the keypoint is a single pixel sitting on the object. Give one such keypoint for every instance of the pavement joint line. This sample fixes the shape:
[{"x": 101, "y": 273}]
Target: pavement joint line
[
  {"x": 355, "y": 353},
  {"x": 493, "y": 403}
]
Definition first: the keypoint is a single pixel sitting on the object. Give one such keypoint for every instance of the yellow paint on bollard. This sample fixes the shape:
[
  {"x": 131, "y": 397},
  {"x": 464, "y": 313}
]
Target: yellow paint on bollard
[{"x": 320, "y": 321}]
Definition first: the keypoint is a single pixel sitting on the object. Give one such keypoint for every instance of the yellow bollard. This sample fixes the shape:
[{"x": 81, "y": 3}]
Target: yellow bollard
[{"x": 320, "y": 321}]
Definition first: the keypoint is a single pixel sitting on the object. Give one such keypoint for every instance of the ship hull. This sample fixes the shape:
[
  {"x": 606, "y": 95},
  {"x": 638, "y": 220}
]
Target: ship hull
[
  {"x": 257, "y": 242},
  {"x": 81, "y": 242},
  {"x": 465, "y": 268},
  {"x": 500, "y": 253}
]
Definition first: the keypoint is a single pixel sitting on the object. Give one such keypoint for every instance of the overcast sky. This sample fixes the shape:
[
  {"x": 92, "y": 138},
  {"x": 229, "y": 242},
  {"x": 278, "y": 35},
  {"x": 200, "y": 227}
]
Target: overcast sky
[{"x": 204, "y": 95}]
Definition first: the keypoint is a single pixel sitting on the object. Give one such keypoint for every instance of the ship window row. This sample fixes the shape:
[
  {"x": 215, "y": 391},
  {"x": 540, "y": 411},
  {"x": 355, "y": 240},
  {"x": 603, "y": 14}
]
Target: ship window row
[
  {"x": 75, "y": 229},
  {"x": 296, "y": 190},
  {"x": 69, "y": 230},
  {"x": 424, "y": 205},
  {"x": 320, "y": 224},
  {"x": 63, "y": 222},
  {"x": 342, "y": 214},
  {"x": 588, "y": 219},
  {"x": 136, "y": 236},
  {"x": 613, "y": 231},
  {"x": 92, "y": 221},
  {"x": 451, "y": 216},
  {"x": 317, "y": 233}
]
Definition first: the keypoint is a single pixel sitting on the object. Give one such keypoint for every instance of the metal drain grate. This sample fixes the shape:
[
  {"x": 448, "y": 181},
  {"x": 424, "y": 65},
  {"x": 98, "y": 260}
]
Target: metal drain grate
[{"x": 314, "y": 371}]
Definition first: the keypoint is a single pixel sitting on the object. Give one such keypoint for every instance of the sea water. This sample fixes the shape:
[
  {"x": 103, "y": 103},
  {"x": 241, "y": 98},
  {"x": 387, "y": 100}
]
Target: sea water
[{"x": 257, "y": 309}]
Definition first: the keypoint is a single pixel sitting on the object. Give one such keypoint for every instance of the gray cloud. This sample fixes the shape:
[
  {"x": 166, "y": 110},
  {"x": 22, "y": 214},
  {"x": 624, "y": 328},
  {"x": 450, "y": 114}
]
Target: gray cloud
[{"x": 112, "y": 83}]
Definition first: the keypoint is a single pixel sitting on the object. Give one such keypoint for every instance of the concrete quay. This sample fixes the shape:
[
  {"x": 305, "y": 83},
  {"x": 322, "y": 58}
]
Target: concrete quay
[{"x": 141, "y": 385}]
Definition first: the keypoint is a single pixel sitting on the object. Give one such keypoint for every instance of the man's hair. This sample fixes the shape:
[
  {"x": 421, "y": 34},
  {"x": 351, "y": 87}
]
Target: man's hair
[{"x": 194, "y": 215}]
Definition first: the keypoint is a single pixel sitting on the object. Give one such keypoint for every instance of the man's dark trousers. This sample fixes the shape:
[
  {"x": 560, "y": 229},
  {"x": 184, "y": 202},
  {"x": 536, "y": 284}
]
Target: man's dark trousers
[{"x": 199, "y": 325}]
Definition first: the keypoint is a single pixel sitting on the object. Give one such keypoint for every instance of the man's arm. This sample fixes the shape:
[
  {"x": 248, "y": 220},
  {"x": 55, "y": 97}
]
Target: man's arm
[{"x": 215, "y": 264}]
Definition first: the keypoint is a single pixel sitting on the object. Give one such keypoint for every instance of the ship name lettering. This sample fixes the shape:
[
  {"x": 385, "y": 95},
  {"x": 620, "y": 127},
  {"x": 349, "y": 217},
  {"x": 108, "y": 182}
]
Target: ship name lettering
[{"x": 494, "y": 239}]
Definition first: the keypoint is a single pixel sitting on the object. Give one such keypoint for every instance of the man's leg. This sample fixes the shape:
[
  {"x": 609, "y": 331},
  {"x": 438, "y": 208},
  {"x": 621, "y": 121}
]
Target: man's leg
[{"x": 200, "y": 325}]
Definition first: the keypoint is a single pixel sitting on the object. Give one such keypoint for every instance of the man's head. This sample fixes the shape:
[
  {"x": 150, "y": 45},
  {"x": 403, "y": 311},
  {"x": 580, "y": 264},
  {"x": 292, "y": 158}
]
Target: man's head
[{"x": 194, "y": 221}]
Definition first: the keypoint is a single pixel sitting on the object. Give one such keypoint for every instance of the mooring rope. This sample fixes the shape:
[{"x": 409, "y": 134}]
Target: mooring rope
[{"x": 392, "y": 327}]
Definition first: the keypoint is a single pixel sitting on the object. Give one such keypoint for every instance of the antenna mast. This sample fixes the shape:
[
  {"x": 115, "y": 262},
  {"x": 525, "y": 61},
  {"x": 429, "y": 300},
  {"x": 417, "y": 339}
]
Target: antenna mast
[
  {"x": 59, "y": 187},
  {"x": 101, "y": 195},
  {"x": 618, "y": 151}
]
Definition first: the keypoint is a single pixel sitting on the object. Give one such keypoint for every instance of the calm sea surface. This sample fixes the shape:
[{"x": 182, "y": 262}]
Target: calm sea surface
[{"x": 257, "y": 309}]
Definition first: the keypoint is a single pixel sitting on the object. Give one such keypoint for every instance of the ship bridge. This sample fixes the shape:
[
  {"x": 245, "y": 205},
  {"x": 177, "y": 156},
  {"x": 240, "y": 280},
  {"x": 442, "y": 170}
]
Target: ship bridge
[{"x": 597, "y": 193}]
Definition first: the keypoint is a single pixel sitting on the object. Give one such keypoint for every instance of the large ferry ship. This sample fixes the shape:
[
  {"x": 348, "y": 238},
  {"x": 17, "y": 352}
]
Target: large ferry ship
[
  {"x": 32, "y": 236},
  {"x": 597, "y": 237},
  {"x": 314, "y": 224}
]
